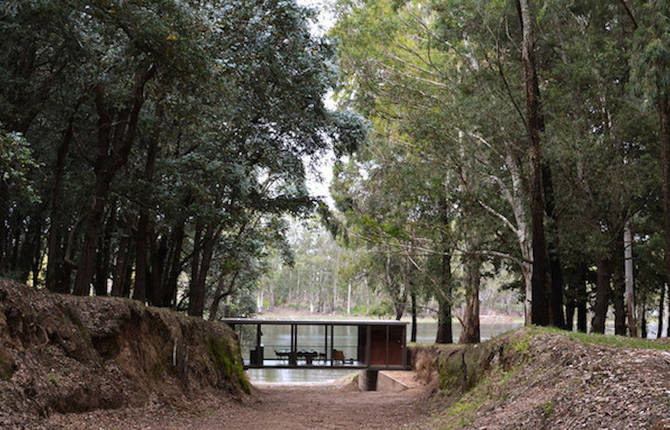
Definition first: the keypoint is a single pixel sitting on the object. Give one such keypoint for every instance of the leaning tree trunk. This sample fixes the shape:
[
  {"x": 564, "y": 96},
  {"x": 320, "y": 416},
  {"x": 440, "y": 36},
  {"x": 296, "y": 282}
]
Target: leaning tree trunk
[
  {"x": 541, "y": 288},
  {"x": 602, "y": 296}
]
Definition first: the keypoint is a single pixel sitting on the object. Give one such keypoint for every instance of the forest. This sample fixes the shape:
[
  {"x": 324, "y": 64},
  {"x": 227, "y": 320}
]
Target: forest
[{"x": 159, "y": 150}]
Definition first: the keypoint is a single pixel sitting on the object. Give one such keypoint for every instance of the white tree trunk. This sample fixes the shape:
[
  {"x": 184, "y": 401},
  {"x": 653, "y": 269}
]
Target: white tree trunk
[
  {"x": 628, "y": 268},
  {"x": 349, "y": 299}
]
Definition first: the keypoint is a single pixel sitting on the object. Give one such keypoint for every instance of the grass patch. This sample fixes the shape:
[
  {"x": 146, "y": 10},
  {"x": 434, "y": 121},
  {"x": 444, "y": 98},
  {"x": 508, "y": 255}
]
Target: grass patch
[
  {"x": 604, "y": 339},
  {"x": 53, "y": 379}
]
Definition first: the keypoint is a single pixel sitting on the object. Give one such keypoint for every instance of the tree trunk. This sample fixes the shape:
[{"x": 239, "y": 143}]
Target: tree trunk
[
  {"x": 169, "y": 295},
  {"x": 556, "y": 317},
  {"x": 643, "y": 319},
  {"x": 540, "y": 281},
  {"x": 661, "y": 305},
  {"x": 630, "y": 292},
  {"x": 4, "y": 220},
  {"x": 29, "y": 248},
  {"x": 119, "y": 277},
  {"x": 158, "y": 272},
  {"x": 196, "y": 303},
  {"x": 116, "y": 134},
  {"x": 602, "y": 296},
  {"x": 582, "y": 299},
  {"x": 413, "y": 299},
  {"x": 94, "y": 221},
  {"x": 102, "y": 263},
  {"x": 470, "y": 333},
  {"x": 220, "y": 293},
  {"x": 619, "y": 287},
  {"x": 141, "y": 265},
  {"x": 664, "y": 141},
  {"x": 444, "y": 332},
  {"x": 55, "y": 260}
]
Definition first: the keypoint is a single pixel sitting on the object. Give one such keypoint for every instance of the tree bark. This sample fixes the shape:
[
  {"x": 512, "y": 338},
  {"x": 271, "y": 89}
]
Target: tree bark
[
  {"x": 582, "y": 300},
  {"x": 121, "y": 266},
  {"x": 541, "y": 288},
  {"x": 664, "y": 141},
  {"x": 413, "y": 304},
  {"x": 55, "y": 261},
  {"x": 602, "y": 296},
  {"x": 470, "y": 333},
  {"x": 201, "y": 263},
  {"x": 661, "y": 305},
  {"x": 102, "y": 263},
  {"x": 94, "y": 221},
  {"x": 556, "y": 316},
  {"x": 643, "y": 318},
  {"x": 169, "y": 293},
  {"x": 444, "y": 332},
  {"x": 628, "y": 269},
  {"x": 444, "y": 296},
  {"x": 619, "y": 288},
  {"x": 142, "y": 237},
  {"x": 158, "y": 258}
]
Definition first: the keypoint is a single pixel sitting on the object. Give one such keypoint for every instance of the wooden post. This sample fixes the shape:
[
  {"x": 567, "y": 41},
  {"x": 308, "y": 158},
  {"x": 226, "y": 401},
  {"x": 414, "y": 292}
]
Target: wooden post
[
  {"x": 368, "y": 345},
  {"x": 325, "y": 341},
  {"x": 404, "y": 346},
  {"x": 332, "y": 345},
  {"x": 387, "y": 346},
  {"x": 258, "y": 336}
]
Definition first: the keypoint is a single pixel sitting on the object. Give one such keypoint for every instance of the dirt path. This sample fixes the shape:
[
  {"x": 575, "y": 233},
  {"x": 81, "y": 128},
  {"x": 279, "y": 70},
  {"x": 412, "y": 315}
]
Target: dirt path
[{"x": 273, "y": 407}]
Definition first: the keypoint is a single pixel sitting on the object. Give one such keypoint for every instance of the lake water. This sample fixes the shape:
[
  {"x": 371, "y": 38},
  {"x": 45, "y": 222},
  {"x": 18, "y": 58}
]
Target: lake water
[{"x": 311, "y": 337}]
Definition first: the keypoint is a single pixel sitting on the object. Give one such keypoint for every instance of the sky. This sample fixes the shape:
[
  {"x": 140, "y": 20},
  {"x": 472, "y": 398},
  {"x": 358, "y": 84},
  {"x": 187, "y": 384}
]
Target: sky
[{"x": 320, "y": 174}]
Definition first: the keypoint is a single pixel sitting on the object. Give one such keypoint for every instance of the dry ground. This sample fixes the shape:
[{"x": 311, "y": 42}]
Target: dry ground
[{"x": 273, "y": 407}]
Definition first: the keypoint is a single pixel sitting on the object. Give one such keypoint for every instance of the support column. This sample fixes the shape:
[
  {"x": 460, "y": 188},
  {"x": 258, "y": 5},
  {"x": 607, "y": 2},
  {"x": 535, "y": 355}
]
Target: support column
[{"x": 367, "y": 380}]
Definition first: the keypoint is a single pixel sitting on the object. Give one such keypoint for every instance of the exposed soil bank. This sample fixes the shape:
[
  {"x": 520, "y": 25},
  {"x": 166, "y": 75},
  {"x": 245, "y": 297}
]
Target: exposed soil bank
[
  {"x": 74, "y": 354},
  {"x": 71, "y": 362},
  {"x": 539, "y": 378}
]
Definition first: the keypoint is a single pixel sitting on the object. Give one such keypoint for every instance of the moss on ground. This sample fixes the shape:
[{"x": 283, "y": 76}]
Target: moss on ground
[{"x": 227, "y": 362}]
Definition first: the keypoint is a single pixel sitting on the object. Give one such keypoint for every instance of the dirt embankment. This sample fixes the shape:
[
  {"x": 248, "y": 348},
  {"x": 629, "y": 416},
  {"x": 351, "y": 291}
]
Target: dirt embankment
[
  {"x": 544, "y": 379},
  {"x": 74, "y": 354}
]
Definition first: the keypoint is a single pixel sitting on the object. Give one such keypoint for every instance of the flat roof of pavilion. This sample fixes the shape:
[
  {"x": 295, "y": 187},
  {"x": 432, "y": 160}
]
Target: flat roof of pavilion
[{"x": 314, "y": 322}]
